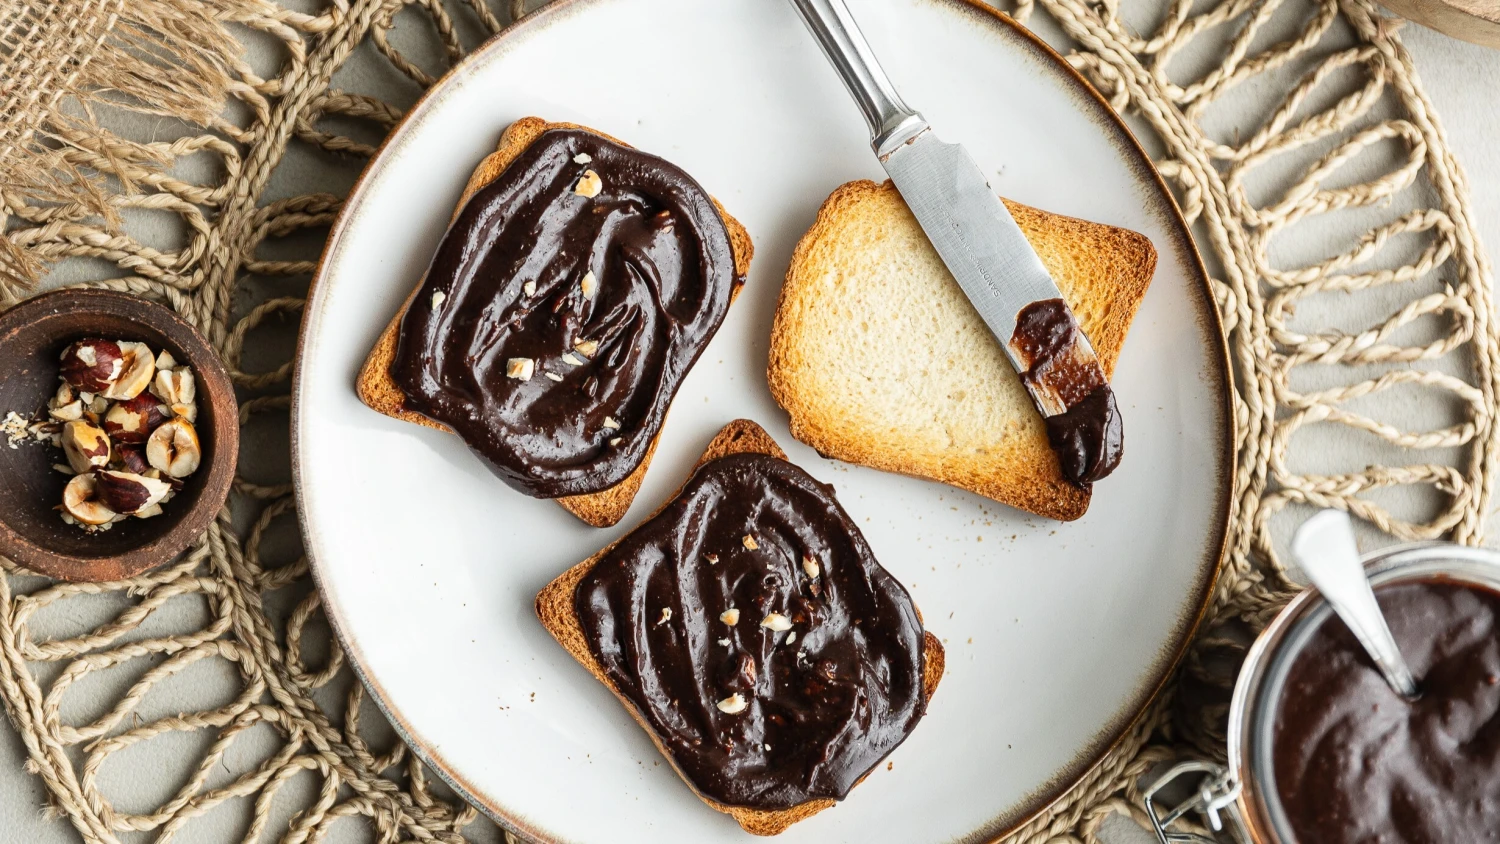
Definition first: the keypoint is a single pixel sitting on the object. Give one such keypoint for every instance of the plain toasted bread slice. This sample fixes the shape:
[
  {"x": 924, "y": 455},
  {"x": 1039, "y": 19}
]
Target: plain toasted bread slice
[
  {"x": 378, "y": 390},
  {"x": 554, "y": 606},
  {"x": 881, "y": 360}
]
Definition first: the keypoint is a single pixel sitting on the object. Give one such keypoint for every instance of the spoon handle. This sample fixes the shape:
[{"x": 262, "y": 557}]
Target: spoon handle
[{"x": 1324, "y": 547}]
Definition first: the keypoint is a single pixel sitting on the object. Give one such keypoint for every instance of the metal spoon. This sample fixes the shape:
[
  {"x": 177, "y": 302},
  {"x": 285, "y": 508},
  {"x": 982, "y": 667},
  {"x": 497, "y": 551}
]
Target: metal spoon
[{"x": 1324, "y": 547}]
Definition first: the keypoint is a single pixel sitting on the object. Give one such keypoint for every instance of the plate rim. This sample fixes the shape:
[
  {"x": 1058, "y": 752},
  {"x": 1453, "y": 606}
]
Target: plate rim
[{"x": 1091, "y": 757}]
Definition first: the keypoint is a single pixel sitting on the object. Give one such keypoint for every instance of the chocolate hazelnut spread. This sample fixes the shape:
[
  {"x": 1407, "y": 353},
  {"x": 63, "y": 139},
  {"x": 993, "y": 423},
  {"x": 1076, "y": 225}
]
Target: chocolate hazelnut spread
[
  {"x": 1356, "y": 763},
  {"x": 757, "y": 636},
  {"x": 563, "y": 308},
  {"x": 1085, "y": 430}
]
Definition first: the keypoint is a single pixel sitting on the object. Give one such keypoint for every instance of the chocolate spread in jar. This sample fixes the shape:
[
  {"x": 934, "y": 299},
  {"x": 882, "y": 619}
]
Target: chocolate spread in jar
[
  {"x": 771, "y": 710},
  {"x": 553, "y": 327},
  {"x": 1084, "y": 427},
  {"x": 1355, "y": 763}
]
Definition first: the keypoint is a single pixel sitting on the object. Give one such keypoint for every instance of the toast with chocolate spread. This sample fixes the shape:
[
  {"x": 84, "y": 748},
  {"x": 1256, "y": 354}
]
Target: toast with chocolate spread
[
  {"x": 578, "y": 282},
  {"x": 880, "y": 359},
  {"x": 748, "y": 628}
]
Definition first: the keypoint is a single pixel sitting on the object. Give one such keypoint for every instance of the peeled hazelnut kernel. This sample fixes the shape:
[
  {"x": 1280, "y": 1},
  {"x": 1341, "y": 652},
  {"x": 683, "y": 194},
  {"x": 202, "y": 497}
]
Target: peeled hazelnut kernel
[
  {"x": 80, "y": 500},
  {"x": 92, "y": 365},
  {"x": 164, "y": 360},
  {"x": 749, "y": 543},
  {"x": 133, "y": 421},
  {"x": 127, "y": 492},
  {"x": 520, "y": 368},
  {"x": 791, "y": 637},
  {"x": 148, "y": 512},
  {"x": 589, "y": 285},
  {"x": 68, "y": 412},
  {"x": 571, "y": 359},
  {"x": 666, "y": 616},
  {"x": 590, "y": 185},
  {"x": 65, "y": 395},
  {"x": 528, "y": 289},
  {"x": 730, "y": 616},
  {"x": 732, "y": 705},
  {"x": 175, "y": 386},
  {"x": 582, "y": 158},
  {"x": 63, "y": 468},
  {"x": 98, "y": 405},
  {"x": 587, "y": 348},
  {"x": 611, "y": 423},
  {"x": 86, "y": 446},
  {"x": 437, "y": 299},
  {"x": 173, "y": 448},
  {"x": 776, "y": 622},
  {"x": 615, "y": 442},
  {"x": 187, "y": 411},
  {"x": 140, "y": 366},
  {"x": 131, "y": 458},
  {"x": 810, "y": 567},
  {"x": 553, "y": 376}
]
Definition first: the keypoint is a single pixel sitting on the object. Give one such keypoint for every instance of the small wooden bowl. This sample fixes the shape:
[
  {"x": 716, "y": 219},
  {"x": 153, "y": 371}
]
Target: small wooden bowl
[{"x": 32, "y": 336}]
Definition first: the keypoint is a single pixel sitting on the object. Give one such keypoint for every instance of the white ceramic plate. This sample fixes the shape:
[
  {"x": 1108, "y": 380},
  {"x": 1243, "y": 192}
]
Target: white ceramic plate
[{"x": 1057, "y": 634}]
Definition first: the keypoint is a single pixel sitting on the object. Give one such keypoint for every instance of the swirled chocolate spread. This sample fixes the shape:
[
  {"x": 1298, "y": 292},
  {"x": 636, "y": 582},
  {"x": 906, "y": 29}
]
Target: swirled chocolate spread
[
  {"x": 1356, "y": 763},
  {"x": 1083, "y": 421},
  {"x": 755, "y": 633},
  {"x": 563, "y": 308}
]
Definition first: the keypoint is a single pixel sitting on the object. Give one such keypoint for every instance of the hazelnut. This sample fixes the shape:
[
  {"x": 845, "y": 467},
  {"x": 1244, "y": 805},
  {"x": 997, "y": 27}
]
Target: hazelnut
[
  {"x": 131, "y": 458},
  {"x": 724, "y": 642},
  {"x": 98, "y": 406},
  {"x": 63, "y": 468},
  {"x": 164, "y": 360},
  {"x": 589, "y": 285},
  {"x": 520, "y": 368},
  {"x": 713, "y": 559},
  {"x": 139, "y": 367},
  {"x": 92, "y": 365},
  {"x": 175, "y": 386},
  {"x": 81, "y": 501},
  {"x": 85, "y": 445},
  {"x": 553, "y": 376},
  {"x": 810, "y": 567},
  {"x": 590, "y": 185},
  {"x": 173, "y": 448},
  {"x": 69, "y": 412},
  {"x": 614, "y": 442},
  {"x": 148, "y": 512},
  {"x": 132, "y": 421},
  {"x": 791, "y": 637},
  {"x": 666, "y": 616},
  {"x": 127, "y": 492},
  {"x": 749, "y": 543},
  {"x": 437, "y": 299},
  {"x": 611, "y": 423},
  {"x": 777, "y": 623},
  {"x": 587, "y": 348},
  {"x": 582, "y": 158},
  {"x": 65, "y": 395},
  {"x": 730, "y": 616},
  {"x": 528, "y": 289},
  {"x": 187, "y": 411},
  {"x": 732, "y": 705},
  {"x": 571, "y": 359}
]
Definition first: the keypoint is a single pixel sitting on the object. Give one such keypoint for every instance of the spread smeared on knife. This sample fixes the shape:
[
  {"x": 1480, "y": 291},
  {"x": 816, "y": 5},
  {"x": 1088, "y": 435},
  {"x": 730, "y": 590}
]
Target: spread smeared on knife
[
  {"x": 753, "y": 630},
  {"x": 1083, "y": 421},
  {"x": 563, "y": 308}
]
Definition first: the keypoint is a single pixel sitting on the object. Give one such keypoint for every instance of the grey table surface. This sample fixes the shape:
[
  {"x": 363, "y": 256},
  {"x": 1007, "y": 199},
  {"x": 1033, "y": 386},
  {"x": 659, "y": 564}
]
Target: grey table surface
[{"x": 1463, "y": 82}]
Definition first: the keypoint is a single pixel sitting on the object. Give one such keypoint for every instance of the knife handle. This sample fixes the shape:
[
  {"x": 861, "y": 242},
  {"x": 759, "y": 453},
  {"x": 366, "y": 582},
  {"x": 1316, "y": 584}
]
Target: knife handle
[{"x": 892, "y": 122}]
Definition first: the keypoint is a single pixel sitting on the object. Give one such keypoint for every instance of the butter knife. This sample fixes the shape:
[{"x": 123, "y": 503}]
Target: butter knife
[{"x": 986, "y": 252}]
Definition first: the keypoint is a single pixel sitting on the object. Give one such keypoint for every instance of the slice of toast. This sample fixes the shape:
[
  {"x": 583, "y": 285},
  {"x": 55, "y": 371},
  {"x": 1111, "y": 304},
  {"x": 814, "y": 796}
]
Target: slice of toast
[
  {"x": 379, "y": 391},
  {"x": 881, "y": 360},
  {"x": 554, "y": 607}
]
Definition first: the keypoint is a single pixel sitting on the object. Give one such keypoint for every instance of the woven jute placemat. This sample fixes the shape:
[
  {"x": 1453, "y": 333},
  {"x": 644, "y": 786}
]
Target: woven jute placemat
[{"x": 1350, "y": 132}]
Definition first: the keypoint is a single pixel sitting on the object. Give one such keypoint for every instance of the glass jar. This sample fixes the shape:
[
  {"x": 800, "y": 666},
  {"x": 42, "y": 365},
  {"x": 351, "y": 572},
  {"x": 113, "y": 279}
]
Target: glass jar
[{"x": 1241, "y": 799}]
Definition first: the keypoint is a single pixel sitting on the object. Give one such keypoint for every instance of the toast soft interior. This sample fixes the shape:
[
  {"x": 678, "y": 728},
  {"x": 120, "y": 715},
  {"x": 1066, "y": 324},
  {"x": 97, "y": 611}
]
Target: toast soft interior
[
  {"x": 377, "y": 389},
  {"x": 554, "y": 606},
  {"x": 880, "y": 359}
]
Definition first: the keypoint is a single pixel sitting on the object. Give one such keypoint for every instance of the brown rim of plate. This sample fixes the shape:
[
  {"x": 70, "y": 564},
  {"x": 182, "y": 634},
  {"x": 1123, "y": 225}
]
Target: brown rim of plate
[{"x": 1113, "y": 733}]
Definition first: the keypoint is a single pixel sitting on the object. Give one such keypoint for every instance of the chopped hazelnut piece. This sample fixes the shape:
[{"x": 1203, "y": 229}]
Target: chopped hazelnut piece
[
  {"x": 730, "y": 616},
  {"x": 589, "y": 285},
  {"x": 520, "y": 368},
  {"x": 571, "y": 359},
  {"x": 528, "y": 289},
  {"x": 437, "y": 299},
  {"x": 776, "y": 622},
  {"x": 590, "y": 185},
  {"x": 582, "y": 158},
  {"x": 810, "y": 567},
  {"x": 611, "y": 423},
  {"x": 587, "y": 348},
  {"x": 553, "y": 376},
  {"x": 733, "y": 705},
  {"x": 750, "y": 543},
  {"x": 666, "y": 616},
  {"x": 791, "y": 637},
  {"x": 713, "y": 559},
  {"x": 615, "y": 441}
]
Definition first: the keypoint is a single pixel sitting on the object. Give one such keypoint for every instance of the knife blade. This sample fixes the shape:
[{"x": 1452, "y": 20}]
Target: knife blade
[{"x": 987, "y": 253}]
